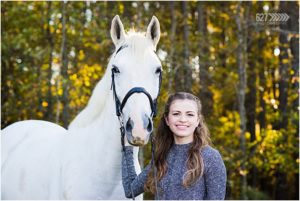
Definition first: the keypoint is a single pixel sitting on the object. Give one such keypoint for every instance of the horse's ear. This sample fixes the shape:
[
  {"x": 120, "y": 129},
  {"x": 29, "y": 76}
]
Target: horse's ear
[
  {"x": 153, "y": 31},
  {"x": 117, "y": 32}
]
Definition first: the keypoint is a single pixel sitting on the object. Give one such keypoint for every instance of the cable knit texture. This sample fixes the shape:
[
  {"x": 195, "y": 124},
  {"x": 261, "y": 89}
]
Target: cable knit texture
[{"x": 211, "y": 186}]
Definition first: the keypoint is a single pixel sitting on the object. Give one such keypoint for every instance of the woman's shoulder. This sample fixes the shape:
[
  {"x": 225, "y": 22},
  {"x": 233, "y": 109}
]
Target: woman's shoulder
[
  {"x": 207, "y": 149},
  {"x": 210, "y": 153}
]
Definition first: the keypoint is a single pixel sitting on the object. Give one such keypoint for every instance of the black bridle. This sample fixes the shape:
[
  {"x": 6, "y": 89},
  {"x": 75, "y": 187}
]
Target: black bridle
[
  {"x": 119, "y": 108},
  {"x": 120, "y": 105}
]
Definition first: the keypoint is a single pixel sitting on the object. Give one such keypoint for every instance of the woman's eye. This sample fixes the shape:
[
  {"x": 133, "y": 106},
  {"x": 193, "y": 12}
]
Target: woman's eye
[
  {"x": 175, "y": 114},
  {"x": 115, "y": 69},
  {"x": 191, "y": 115}
]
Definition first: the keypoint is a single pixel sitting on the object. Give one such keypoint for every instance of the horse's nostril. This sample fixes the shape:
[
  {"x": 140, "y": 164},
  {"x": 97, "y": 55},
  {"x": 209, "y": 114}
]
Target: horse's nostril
[
  {"x": 149, "y": 127},
  {"x": 129, "y": 125}
]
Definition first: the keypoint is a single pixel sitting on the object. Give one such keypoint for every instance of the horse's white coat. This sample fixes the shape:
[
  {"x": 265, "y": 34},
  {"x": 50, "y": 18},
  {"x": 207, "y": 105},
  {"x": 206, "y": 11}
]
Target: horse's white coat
[{"x": 41, "y": 160}]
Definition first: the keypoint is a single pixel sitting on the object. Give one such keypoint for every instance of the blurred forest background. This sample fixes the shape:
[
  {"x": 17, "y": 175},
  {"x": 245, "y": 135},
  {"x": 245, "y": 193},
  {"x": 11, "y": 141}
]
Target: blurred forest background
[{"x": 244, "y": 68}]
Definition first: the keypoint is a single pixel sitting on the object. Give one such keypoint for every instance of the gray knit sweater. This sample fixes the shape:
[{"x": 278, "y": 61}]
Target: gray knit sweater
[{"x": 211, "y": 186}]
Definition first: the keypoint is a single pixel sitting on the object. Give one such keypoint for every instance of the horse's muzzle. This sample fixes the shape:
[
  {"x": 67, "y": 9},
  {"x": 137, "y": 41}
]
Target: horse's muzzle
[{"x": 136, "y": 141}]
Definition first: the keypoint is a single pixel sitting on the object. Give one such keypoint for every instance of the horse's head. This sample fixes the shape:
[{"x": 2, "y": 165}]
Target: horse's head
[{"x": 136, "y": 77}]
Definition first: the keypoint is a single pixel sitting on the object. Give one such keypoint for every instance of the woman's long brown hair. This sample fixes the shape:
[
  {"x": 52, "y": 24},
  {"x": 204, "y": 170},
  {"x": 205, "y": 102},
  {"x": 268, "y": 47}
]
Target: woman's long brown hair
[{"x": 164, "y": 140}]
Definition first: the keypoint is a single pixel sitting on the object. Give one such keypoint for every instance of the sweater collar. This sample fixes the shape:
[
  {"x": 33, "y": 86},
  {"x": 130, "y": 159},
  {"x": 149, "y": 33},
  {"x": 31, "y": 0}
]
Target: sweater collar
[{"x": 182, "y": 146}]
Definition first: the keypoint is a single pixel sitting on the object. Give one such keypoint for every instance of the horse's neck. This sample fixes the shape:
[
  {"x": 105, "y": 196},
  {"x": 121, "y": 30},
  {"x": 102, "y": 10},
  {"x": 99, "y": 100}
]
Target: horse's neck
[
  {"x": 110, "y": 135},
  {"x": 108, "y": 125},
  {"x": 99, "y": 119}
]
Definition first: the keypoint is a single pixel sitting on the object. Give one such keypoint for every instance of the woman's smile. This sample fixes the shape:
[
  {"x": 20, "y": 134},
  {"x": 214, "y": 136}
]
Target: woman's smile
[{"x": 181, "y": 126}]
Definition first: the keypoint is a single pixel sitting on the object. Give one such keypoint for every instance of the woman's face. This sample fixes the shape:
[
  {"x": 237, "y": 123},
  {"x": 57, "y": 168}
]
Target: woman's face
[{"x": 183, "y": 120}]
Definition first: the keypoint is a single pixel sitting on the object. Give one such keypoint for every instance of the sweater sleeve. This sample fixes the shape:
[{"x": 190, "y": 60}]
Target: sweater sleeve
[
  {"x": 215, "y": 176},
  {"x": 132, "y": 183}
]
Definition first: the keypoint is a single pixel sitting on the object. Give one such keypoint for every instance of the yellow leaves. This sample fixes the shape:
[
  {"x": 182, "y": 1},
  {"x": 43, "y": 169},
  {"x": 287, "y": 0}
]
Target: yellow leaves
[
  {"x": 39, "y": 114},
  {"x": 52, "y": 29},
  {"x": 96, "y": 46},
  {"x": 56, "y": 60},
  {"x": 59, "y": 92},
  {"x": 95, "y": 76},
  {"x": 121, "y": 8},
  {"x": 247, "y": 135},
  {"x": 243, "y": 172},
  {"x": 81, "y": 55},
  {"x": 87, "y": 83},
  {"x": 223, "y": 119},
  {"x": 213, "y": 29},
  {"x": 295, "y": 79},
  {"x": 82, "y": 84},
  {"x": 268, "y": 54},
  {"x": 225, "y": 16},
  {"x": 73, "y": 77},
  {"x": 45, "y": 104},
  {"x": 258, "y": 132},
  {"x": 212, "y": 49},
  {"x": 285, "y": 61}
]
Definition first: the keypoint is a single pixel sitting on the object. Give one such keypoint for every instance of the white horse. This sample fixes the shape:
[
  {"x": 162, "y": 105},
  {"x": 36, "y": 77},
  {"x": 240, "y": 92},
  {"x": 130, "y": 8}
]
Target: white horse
[{"x": 41, "y": 160}]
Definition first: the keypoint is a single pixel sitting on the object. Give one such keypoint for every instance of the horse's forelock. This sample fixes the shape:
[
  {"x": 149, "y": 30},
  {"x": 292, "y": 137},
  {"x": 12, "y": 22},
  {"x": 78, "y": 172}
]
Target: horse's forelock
[{"x": 138, "y": 43}]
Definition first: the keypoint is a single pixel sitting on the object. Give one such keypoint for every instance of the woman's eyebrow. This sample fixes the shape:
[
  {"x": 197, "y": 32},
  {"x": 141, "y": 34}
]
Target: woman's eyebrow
[
  {"x": 190, "y": 112},
  {"x": 183, "y": 111}
]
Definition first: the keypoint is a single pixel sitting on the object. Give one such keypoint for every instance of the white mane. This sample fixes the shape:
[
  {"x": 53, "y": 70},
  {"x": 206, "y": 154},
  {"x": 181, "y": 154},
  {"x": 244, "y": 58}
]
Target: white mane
[{"x": 138, "y": 43}]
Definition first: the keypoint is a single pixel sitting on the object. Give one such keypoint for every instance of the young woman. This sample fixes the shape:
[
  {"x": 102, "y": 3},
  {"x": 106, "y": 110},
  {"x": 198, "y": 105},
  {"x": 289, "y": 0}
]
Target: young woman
[{"x": 184, "y": 167}]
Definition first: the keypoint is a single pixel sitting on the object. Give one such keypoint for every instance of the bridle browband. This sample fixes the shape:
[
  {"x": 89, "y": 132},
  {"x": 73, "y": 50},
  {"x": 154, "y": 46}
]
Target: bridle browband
[{"x": 120, "y": 105}]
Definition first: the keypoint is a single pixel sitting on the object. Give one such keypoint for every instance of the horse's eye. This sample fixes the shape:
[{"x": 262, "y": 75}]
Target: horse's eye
[
  {"x": 115, "y": 69},
  {"x": 158, "y": 70}
]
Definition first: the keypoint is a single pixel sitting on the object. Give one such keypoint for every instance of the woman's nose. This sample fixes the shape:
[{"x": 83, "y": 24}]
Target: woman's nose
[{"x": 182, "y": 118}]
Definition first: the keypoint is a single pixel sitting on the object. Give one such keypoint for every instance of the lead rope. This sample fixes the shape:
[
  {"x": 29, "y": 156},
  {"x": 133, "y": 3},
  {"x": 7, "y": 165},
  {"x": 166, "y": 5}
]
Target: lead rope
[{"x": 154, "y": 167}]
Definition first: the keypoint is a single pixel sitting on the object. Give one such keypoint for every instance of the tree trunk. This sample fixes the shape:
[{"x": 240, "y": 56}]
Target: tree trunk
[
  {"x": 172, "y": 69},
  {"x": 49, "y": 36},
  {"x": 262, "y": 103},
  {"x": 205, "y": 95},
  {"x": 64, "y": 69},
  {"x": 186, "y": 53},
  {"x": 285, "y": 67},
  {"x": 39, "y": 91},
  {"x": 281, "y": 188},
  {"x": 251, "y": 100},
  {"x": 241, "y": 33},
  {"x": 4, "y": 89},
  {"x": 294, "y": 46},
  {"x": 283, "y": 71}
]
